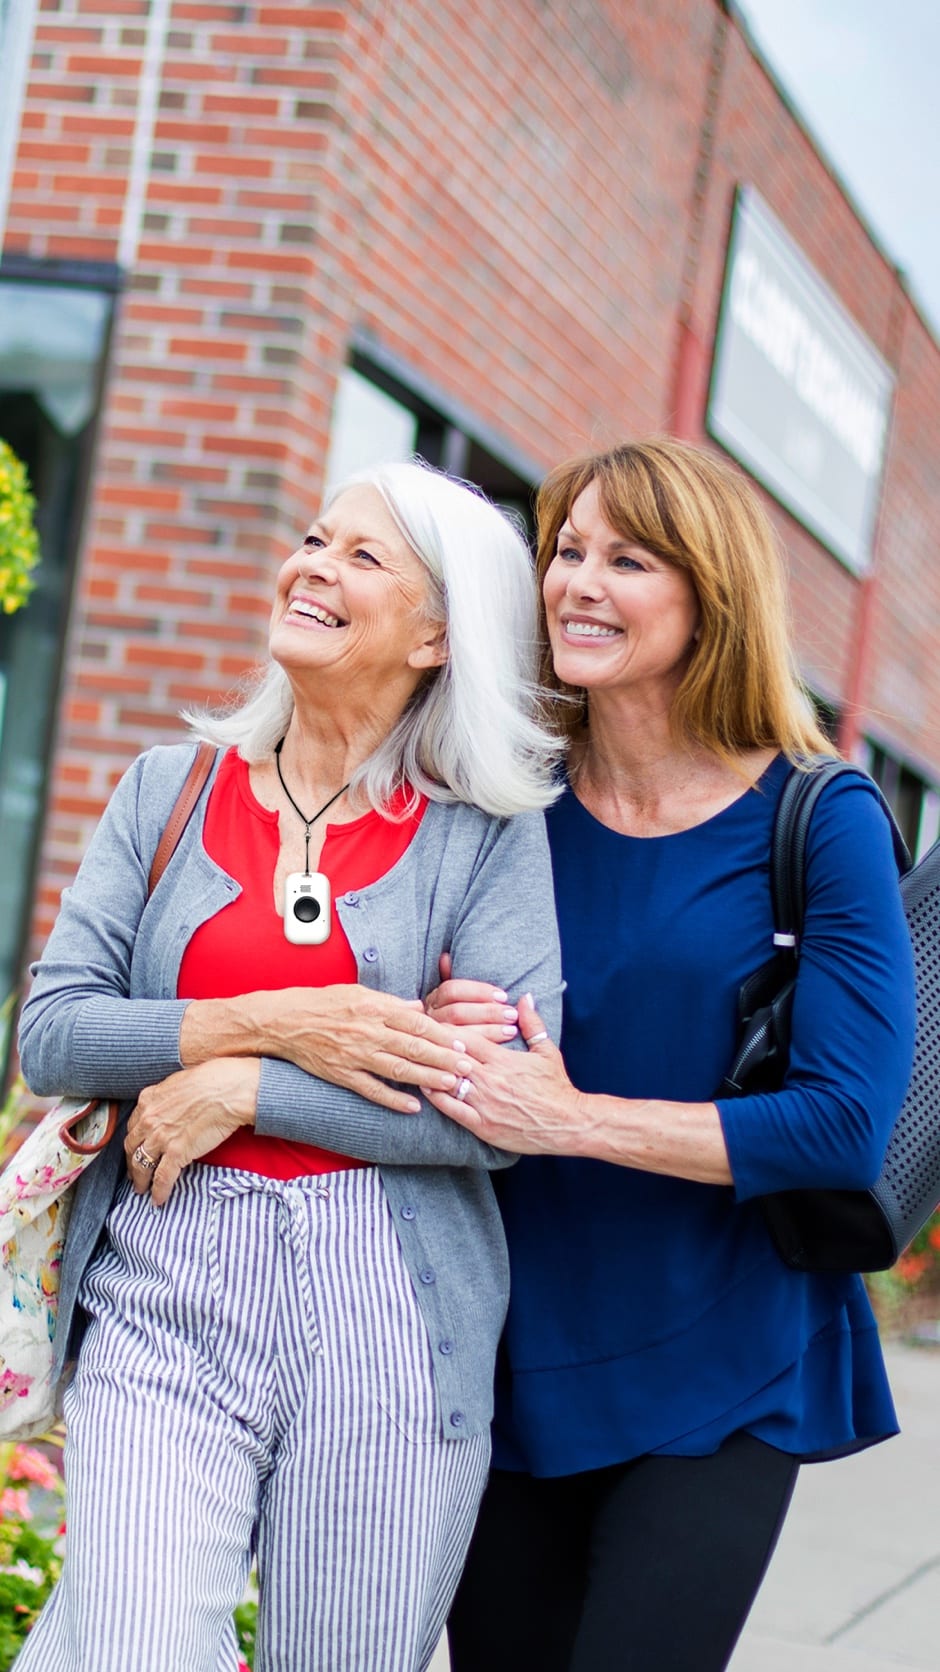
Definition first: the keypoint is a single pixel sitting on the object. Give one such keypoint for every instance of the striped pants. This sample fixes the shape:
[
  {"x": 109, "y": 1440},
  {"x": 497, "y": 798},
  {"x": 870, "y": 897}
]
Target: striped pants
[{"x": 256, "y": 1379}]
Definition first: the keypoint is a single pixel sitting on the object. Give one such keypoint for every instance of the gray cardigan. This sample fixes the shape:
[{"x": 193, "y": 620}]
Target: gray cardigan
[{"x": 103, "y": 1019}]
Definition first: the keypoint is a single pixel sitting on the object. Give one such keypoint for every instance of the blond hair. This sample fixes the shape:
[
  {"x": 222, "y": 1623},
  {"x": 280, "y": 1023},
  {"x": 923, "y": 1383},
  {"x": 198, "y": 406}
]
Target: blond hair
[{"x": 740, "y": 690}]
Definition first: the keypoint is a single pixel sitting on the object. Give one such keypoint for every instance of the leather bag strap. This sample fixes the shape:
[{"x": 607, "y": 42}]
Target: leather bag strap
[
  {"x": 183, "y": 808},
  {"x": 69, "y": 1127},
  {"x": 798, "y": 798},
  {"x": 182, "y": 812}
]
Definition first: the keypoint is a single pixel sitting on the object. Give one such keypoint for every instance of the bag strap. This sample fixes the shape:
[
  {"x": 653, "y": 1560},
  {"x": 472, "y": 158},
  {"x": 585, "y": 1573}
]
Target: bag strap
[
  {"x": 182, "y": 812},
  {"x": 798, "y": 798},
  {"x": 180, "y": 816}
]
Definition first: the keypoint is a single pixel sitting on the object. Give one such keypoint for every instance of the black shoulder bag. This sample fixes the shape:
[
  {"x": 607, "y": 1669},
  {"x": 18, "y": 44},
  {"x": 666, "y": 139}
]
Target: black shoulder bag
[{"x": 845, "y": 1230}]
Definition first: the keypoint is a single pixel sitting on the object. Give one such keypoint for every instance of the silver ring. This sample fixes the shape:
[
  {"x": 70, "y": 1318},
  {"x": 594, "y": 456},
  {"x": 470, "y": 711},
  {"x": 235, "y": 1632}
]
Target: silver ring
[
  {"x": 461, "y": 1089},
  {"x": 143, "y": 1159},
  {"x": 536, "y": 1038}
]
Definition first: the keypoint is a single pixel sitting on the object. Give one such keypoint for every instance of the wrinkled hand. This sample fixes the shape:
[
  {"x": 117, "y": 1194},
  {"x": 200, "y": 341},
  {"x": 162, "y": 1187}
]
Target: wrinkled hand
[
  {"x": 520, "y": 1102},
  {"x": 476, "y": 1005},
  {"x": 187, "y": 1115},
  {"x": 361, "y": 1039}
]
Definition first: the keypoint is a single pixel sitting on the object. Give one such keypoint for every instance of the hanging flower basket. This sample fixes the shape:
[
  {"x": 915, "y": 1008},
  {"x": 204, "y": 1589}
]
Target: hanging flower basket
[{"x": 19, "y": 542}]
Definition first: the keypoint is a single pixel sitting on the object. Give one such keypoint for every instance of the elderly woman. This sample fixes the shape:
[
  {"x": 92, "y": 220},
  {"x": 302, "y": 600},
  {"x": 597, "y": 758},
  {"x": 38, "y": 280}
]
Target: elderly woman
[
  {"x": 663, "y": 1372},
  {"x": 286, "y": 1315}
]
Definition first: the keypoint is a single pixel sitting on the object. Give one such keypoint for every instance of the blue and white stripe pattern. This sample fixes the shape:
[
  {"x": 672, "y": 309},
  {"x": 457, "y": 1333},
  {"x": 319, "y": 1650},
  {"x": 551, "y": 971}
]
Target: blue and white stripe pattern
[{"x": 256, "y": 1376}]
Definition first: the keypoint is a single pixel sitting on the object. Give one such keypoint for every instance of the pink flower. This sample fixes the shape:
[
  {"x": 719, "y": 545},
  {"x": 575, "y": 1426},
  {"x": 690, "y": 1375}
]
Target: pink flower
[
  {"x": 13, "y": 1386},
  {"x": 27, "y": 1464},
  {"x": 14, "y": 1502}
]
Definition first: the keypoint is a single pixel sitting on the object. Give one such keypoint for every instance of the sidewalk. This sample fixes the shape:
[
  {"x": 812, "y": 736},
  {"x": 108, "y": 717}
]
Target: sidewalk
[{"x": 855, "y": 1583}]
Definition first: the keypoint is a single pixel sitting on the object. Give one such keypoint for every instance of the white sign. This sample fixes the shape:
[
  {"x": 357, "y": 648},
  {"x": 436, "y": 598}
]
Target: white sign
[{"x": 799, "y": 395}]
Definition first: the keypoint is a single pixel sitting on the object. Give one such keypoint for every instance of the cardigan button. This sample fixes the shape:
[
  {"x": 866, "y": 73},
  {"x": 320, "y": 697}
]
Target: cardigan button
[
  {"x": 351, "y": 899},
  {"x": 457, "y": 1419},
  {"x": 408, "y": 1213},
  {"x": 445, "y": 1347},
  {"x": 371, "y": 954},
  {"x": 428, "y": 1275}
]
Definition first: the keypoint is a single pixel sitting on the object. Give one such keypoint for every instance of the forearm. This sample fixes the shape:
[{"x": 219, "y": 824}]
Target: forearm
[
  {"x": 302, "y": 1109},
  {"x": 247, "y": 1026},
  {"x": 681, "y": 1140}
]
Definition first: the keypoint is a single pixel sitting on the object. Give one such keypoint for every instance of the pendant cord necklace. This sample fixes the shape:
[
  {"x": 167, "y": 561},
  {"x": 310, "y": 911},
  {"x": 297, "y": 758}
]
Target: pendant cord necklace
[{"x": 307, "y": 823}]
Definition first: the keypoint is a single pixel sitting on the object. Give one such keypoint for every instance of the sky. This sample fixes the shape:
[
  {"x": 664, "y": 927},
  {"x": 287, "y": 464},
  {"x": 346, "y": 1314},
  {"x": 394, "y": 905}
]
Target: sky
[{"x": 864, "y": 76}]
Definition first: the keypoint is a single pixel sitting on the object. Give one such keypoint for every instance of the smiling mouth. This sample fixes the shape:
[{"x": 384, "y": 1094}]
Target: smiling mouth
[
  {"x": 313, "y": 612},
  {"x": 589, "y": 630}
]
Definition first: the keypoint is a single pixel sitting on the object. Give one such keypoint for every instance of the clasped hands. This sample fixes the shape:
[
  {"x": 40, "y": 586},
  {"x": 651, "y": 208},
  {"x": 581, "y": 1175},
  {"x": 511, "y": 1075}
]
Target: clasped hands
[{"x": 348, "y": 1035}]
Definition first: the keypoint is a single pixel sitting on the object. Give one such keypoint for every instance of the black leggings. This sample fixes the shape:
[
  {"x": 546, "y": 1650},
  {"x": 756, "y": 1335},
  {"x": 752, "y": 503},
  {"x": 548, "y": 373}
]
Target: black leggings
[{"x": 649, "y": 1566}]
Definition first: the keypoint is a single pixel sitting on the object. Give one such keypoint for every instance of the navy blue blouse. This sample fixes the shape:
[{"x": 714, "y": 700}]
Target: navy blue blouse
[{"x": 649, "y": 1314}]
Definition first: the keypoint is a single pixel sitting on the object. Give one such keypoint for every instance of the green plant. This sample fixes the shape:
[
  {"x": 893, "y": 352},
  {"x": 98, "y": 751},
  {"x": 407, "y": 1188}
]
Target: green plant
[
  {"x": 31, "y": 1529},
  {"x": 19, "y": 542},
  {"x": 901, "y": 1295},
  {"x": 32, "y": 1541}
]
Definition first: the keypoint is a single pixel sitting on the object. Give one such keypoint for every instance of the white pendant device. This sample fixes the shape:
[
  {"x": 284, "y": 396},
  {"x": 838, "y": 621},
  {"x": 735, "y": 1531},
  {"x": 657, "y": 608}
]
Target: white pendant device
[
  {"x": 308, "y": 905},
  {"x": 307, "y": 908}
]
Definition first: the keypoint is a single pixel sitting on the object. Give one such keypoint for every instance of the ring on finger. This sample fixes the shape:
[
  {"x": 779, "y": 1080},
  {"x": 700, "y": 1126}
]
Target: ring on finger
[
  {"x": 536, "y": 1038},
  {"x": 461, "y": 1089},
  {"x": 143, "y": 1159}
]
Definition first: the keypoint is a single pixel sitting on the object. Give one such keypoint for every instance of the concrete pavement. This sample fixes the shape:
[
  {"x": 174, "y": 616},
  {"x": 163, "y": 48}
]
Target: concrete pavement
[{"x": 855, "y": 1583}]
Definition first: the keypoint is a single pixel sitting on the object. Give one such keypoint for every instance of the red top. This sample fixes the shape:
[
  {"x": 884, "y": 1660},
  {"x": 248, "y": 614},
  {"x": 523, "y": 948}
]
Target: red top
[{"x": 243, "y": 948}]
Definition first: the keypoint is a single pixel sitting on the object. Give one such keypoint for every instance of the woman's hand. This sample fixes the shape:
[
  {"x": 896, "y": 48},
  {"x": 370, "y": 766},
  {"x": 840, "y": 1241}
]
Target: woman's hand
[
  {"x": 472, "y": 1004},
  {"x": 524, "y": 1103},
  {"x": 347, "y": 1034},
  {"x": 528, "y": 1105},
  {"x": 185, "y": 1116}
]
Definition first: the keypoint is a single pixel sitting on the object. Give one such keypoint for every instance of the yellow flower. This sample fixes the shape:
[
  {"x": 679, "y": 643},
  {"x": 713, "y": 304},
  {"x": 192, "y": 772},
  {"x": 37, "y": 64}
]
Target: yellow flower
[{"x": 19, "y": 542}]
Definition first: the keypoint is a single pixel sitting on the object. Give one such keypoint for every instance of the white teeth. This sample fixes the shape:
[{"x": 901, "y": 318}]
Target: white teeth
[
  {"x": 298, "y": 607},
  {"x": 590, "y": 630}
]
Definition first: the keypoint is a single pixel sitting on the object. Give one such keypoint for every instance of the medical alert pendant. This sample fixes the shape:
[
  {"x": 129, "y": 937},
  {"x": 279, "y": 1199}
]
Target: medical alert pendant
[{"x": 307, "y": 908}]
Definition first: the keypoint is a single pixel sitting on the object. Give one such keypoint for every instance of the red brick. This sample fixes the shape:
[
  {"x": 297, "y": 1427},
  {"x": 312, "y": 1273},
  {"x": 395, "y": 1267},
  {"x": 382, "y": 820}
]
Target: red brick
[
  {"x": 59, "y": 34},
  {"x": 250, "y": 446},
  {"x": 90, "y": 185},
  {"x": 270, "y": 261},
  {"x": 52, "y": 150},
  {"x": 215, "y": 412},
  {"x": 183, "y": 597},
  {"x": 244, "y": 45},
  {"x": 187, "y": 255},
  {"x": 303, "y": 17},
  {"x": 208, "y": 348},
  {"x": 104, "y": 65},
  {"x": 193, "y": 132},
  {"x": 234, "y": 162},
  {"x": 181, "y": 191},
  {"x": 163, "y": 656},
  {"x": 138, "y": 497},
  {"x": 115, "y": 127},
  {"x": 240, "y": 104},
  {"x": 45, "y": 211}
]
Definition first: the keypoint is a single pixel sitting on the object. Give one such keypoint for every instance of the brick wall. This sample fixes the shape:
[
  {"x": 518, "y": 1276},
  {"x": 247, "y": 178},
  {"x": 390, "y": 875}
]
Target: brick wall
[{"x": 523, "y": 203}]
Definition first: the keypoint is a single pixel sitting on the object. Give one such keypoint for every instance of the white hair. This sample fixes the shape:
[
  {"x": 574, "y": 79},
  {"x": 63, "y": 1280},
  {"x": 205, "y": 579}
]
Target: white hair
[{"x": 473, "y": 729}]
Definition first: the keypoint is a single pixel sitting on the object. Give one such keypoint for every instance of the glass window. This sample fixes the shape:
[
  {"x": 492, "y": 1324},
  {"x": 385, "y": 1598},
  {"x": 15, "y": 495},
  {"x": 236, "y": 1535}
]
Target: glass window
[
  {"x": 368, "y": 427},
  {"x": 52, "y": 345},
  {"x": 913, "y": 801},
  {"x": 376, "y": 417}
]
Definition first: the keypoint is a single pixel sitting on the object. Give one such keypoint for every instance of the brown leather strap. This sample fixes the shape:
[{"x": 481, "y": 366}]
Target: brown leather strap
[
  {"x": 182, "y": 811},
  {"x": 68, "y": 1126}
]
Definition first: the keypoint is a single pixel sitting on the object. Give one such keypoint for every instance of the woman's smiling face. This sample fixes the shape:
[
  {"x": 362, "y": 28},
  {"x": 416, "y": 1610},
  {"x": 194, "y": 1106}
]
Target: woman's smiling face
[
  {"x": 353, "y": 599},
  {"x": 617, "y": 615}
]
